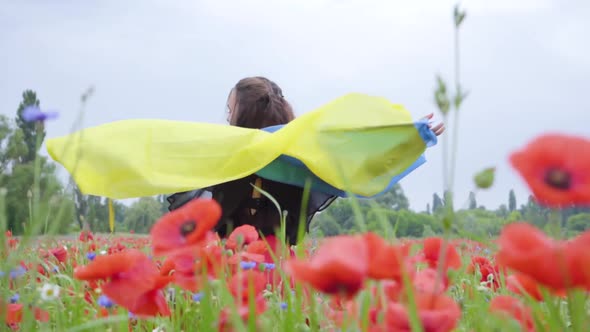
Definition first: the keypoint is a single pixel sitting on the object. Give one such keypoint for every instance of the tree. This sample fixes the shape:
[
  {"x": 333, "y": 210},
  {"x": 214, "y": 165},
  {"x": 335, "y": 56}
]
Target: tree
[
  {"x": 19, "y": 185},
  {"x": 436, "y": 203},
  {"x": 81, "y": 204},
  {"x": 502, "y": 211},
  {"x": 511, "y": 201},
  {"x": 142, "y": 214},
  {"x": 394, "y": 198},
  {"x": 579, "y": 222},
  {"x": 329, "y": 227},
  {"x": 472, "y": 201},
  {"x": 30, "y": 130}
]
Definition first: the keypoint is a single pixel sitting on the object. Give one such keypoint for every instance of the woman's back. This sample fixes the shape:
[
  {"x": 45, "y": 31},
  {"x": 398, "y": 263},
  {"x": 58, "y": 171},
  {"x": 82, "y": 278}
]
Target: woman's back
[{"x": 257, "y": 103}]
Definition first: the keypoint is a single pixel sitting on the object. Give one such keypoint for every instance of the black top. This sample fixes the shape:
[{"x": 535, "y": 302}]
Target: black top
[{"x": 241, "y": 205}]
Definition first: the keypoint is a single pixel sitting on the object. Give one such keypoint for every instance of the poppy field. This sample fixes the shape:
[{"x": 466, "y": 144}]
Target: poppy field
[{"x": 183, "y": 277}]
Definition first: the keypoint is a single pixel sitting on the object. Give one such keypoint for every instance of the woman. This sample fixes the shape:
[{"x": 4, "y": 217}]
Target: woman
[{"x": 257, "y": 103}]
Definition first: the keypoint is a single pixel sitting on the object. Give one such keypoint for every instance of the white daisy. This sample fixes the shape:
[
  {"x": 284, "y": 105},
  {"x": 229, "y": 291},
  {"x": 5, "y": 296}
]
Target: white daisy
[{"x": 49, "y": 292}]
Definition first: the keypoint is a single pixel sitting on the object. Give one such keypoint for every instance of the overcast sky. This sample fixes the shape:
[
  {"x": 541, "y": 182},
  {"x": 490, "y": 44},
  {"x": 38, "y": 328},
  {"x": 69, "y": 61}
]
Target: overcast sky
[{"x": 526, "y": 64}]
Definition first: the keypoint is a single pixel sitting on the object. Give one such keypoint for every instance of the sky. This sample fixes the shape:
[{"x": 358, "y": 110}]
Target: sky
[{"x": 526, "y": 65}]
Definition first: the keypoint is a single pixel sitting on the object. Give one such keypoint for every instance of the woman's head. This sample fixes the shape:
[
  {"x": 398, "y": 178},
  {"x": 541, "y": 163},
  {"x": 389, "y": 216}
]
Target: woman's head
[{"x": 257, "y": 102}]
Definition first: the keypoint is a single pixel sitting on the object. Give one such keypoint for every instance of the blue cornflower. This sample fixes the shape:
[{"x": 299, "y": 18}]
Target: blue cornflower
[
  {"x": 35, "y": 114},
  {"x": 269, "y": 266},
  {"x": 248, "y": 265},
  {"x": 104, "y": 301},
  {"x": 283, "y": 305},
  {"x": 90, "y": 256},
  {"x": 197, "y": 297},
  {"x": 14, "y": 298},
  {"x": 19, "y": 271}
]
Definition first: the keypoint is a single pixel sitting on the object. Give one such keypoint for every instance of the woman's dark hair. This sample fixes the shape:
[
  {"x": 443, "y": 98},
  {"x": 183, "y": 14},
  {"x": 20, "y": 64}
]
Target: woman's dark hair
[{"x": 260, "y": 103}]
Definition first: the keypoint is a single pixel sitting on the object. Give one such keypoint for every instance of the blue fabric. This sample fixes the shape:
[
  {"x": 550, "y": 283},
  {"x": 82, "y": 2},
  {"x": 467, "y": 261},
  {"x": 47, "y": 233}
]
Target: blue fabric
[{"x": 290, "y": 170}]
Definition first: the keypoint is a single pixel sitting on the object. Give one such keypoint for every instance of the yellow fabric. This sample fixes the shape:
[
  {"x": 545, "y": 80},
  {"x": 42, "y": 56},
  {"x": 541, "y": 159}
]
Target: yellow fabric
[
  {"x": 355, "y": 143},
  {"x": 111, "y": 216}
]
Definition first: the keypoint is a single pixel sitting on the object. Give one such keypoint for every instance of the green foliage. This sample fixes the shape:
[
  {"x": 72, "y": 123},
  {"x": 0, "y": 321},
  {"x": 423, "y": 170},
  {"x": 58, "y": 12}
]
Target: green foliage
[
  {"x": 472, "y": 201},
  {"x": 19, "y": 184},
  {"x": 437, "y": 203},
  {"x": 19, "y": 143},
  {"x": 30, "y": 130},
  {"x": 142, "y": 214},
  {"x": 579, "y": 222},
  {"x": 386, "y": 212},
  {"x": 511, "y": 200}
]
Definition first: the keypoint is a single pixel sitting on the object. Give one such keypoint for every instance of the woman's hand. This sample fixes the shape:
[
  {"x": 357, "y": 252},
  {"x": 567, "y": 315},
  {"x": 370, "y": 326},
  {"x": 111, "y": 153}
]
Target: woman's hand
[{"x": 438, "y": 129}]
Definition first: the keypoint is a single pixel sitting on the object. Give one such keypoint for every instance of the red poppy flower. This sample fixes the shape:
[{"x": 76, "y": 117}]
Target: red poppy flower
[
  {"x": 559, "y": 265},
  {"x": 85, "y": 236},
  {"x": 556, "y": 169},
  {"x": 241, "y": 236},
  {"x": 340, "y": 266},
  {"x": 433, "y": 247},
  {"x": 244, "y": 283},
  {"x": 487, "y": 270},
  {"x": 385, "y": 261},
  {"x": 522, "y": 284},
  {"x": 132, "y": 281},
  {"x": 507, "y": 305},
  {"x": 185, "y": 226},
  {"x": 437, "y": 314}
]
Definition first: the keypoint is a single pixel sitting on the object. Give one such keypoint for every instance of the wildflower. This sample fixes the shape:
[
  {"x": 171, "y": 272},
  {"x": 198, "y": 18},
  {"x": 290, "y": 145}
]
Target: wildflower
[
  {"x": 85, "y": 236},
  {"x": 509, "y": 306},
  {"x": 90, "y": 256},
  {"x": 385, "y": 261},
  {"x": 555, "y": 167},
  {"x": 103, "y": 252},
  {"x": 242, "y": 235},
  {"x": 488, "y": 271},
  {"x": 241, "y": 284},
  {"x": 132, "y": 281},
  {"x": 269, "y": 266},
  {"x": 17, "y": 272},
  {"x": 14, "y": 298},
  {"x": 197, "y": 297},
  {"x": 340, "y": 266},
  {"x": 247, "y": 265},
  {"x": 521, "y": 284},
  {"x": 436, "y": 313},
  {"x": 433, "y": 253},
  {"x": 283, "y": 305},
  {"x": 105, "y": 302},
  {"x": 35, "y": 114},
  {"x": 185, "y": 227},
  {"x": 49, "y": 292},
  {"x": 559, "y": 265}
]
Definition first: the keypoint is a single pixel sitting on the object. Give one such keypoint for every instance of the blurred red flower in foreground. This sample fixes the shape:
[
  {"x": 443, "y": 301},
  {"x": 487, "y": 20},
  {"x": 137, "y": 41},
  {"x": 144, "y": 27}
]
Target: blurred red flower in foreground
[
  {"x": 557, "y": 169},
  {"x": 558, "y": 265},
  {"x": 512, "y": 307},
  {"x": 132, "y": 280},
  {"x": 339, "y": 266}
]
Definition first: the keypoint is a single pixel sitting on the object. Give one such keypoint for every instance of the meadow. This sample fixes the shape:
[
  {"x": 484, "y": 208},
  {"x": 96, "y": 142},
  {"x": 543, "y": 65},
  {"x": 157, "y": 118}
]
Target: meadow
[{"x": 428, "y": 273}]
